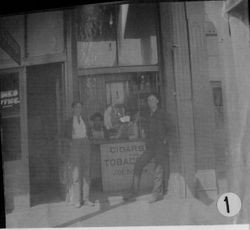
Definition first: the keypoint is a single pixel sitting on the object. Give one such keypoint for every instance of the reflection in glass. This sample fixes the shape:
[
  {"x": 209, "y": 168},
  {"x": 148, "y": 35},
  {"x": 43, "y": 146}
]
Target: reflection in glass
[
  {"x": 11, "y": 138},
  {"x": 10, "y": 117},
  {"x": 96, "y": 36},
  {"x": 137, "y": 43}
]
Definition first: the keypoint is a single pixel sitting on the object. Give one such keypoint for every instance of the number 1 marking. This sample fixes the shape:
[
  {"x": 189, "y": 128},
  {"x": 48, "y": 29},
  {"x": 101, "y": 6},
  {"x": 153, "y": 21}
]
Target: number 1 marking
[{"x": 227, "y": 204}]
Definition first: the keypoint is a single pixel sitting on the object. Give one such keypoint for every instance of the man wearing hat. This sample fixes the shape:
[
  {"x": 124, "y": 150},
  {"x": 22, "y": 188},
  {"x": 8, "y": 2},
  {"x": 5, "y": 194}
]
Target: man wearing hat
[
  {"x": 77, "y": 132},
  {"x": 157, "y": 128}
]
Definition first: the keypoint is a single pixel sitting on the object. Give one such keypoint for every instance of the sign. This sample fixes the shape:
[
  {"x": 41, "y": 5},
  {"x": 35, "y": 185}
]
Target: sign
[
  {"x": 9, "y": 93},
  {"x": 9, "y": 98},
  {"x": 118, "y": 161},
  {"x": 9, "y": 45}
]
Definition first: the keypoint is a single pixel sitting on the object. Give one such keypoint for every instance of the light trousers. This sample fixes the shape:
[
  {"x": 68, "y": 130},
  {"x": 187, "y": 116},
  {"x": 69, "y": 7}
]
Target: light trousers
[{"x": 79, "y": 171}]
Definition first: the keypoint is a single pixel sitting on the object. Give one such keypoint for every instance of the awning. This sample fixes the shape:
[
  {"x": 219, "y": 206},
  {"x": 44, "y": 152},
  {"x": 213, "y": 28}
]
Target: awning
[{"x": 238, "y": 9}]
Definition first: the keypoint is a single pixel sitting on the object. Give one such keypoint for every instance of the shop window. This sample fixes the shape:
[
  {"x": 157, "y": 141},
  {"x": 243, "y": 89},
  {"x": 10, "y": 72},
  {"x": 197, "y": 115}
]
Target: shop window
[
  {"x": 10, "y": 138},
  {"x": 116, "y": 35},
  {"x": 96, "y": 36},
  {"x": 121, "y": 99},
  {"x": 137, "y": 43},
  {"x": 10, "y": 117}
]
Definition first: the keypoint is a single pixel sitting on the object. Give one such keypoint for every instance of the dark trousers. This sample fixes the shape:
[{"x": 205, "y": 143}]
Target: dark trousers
[
  {"x": 79, "y": 172},
  {"x": 158, "y": 152}
]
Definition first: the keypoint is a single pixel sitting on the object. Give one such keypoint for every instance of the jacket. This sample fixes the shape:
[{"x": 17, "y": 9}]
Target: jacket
[{"x": 157, "y": 126}]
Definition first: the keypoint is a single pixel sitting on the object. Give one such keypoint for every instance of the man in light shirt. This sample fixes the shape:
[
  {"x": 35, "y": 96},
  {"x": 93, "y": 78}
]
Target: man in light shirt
[{"x": 79, "y": 158}]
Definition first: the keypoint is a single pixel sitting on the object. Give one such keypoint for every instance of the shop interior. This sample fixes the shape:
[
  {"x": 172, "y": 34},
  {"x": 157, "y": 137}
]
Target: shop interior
[{"x": 115, "y": 104}]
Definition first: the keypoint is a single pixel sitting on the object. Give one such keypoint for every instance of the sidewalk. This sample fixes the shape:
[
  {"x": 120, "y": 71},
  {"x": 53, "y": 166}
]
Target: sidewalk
[{"x": 112, "y": 211}]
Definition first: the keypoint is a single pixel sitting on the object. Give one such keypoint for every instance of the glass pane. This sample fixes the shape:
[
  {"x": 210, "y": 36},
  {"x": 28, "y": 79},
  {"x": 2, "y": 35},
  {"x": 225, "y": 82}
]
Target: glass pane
[
  {"x": 10, "y": 95},
  {"x": 15, "y": 26},
  {"x": 118, "y": 96},
  {"x": 96, "y": 36},
  {"x": 10, "y": 138},
  {"x": 137, "y": 42},
  {"x": 45, "y": 33},
  {"x": 10, "y": 119}
]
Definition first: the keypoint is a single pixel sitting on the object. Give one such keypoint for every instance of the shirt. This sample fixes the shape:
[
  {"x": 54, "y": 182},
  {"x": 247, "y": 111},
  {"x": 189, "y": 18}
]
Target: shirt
[
  {"x": 98, "y": 134},
  {"x": 79, "y": 128}
]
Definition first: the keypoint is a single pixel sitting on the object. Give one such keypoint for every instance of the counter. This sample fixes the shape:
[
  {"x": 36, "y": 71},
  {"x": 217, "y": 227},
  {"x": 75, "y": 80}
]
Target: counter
[{"x": 118, "y": 158}]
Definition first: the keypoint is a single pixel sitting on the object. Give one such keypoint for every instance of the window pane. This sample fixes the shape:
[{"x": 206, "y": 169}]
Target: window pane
[
  {"x": 15, "y": 26},
  {"x": 137, "y": 42},
  {"x": 96, "y": 36},
  {"x": 10, "y": 97},
  {"x": 45, "y": 33},
  {"x": 10, "y": 138},
  {"x": 10, "y": 117}
]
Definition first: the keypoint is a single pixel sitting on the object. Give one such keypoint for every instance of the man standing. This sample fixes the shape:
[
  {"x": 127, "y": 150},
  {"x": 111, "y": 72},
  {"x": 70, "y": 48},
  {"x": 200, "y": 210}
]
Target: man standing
[
  {"x": 156, "y": 131},
  {"x": 79, "y": 158}
]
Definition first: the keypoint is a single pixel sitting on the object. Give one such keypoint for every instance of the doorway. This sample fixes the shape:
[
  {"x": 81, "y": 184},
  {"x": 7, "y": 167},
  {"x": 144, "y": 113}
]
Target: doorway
[{"x": 44, "y": 110}]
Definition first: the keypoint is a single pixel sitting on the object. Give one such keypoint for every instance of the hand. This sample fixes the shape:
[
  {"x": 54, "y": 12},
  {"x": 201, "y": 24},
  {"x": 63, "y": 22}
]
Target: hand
[{"x": 165, "y": 141}]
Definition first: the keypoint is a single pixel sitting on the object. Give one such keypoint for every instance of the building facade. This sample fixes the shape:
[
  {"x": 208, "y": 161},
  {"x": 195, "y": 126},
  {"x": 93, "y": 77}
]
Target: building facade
[{"x": 86, "y": 53}]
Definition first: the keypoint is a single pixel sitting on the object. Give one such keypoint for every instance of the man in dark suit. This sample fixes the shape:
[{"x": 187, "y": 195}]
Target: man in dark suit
[
  {"x": 157, "y": 127},
  {"x": 77, "y": 132}
]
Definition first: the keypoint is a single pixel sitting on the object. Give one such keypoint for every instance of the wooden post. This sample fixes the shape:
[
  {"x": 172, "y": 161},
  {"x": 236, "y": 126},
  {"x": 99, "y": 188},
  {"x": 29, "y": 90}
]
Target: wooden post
[{"x": 178, "y": 91}]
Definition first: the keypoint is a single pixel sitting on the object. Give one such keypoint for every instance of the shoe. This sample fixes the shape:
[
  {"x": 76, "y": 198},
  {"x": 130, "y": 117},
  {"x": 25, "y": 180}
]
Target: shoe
[
  {"x": 155, "y": 198},
  {"x": 129, "y": 197},
  {"x": 88, "y": 203},
  {"x": 70, "y": 203},
  {"x": 78, "y": 205}
]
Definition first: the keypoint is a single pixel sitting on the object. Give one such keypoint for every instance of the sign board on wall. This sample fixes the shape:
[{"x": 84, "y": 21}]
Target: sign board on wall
[{"x": 118, "y": 161}]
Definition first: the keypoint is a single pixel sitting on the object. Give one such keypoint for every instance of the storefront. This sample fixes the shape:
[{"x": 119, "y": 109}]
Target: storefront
[
  {"x": 111, "y": 57},
  {"x": 118, "y": 67}
]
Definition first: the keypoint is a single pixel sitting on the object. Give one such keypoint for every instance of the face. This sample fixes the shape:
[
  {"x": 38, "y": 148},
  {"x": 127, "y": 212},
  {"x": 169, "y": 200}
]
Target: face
[
  {"x": 153, "y": 102},
  {"x": 97, "y": 122},
  {"x": 77, "y": 109}
]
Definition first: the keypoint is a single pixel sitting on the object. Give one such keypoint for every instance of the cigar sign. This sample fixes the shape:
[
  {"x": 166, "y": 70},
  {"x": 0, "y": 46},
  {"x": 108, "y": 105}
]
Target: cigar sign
[{"x": 118, "y": 161}]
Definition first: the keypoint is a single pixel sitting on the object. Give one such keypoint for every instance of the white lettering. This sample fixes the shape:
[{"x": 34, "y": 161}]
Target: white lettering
[{"x": 9, "y": 93}]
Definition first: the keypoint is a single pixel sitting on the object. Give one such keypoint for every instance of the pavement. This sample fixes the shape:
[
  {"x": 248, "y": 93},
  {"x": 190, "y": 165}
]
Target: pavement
[{"x": 111, "y": 210}]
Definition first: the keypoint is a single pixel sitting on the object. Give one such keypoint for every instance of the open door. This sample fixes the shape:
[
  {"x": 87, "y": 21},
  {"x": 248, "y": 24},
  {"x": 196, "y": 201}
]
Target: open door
[{"x": 44, "y": 106}]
